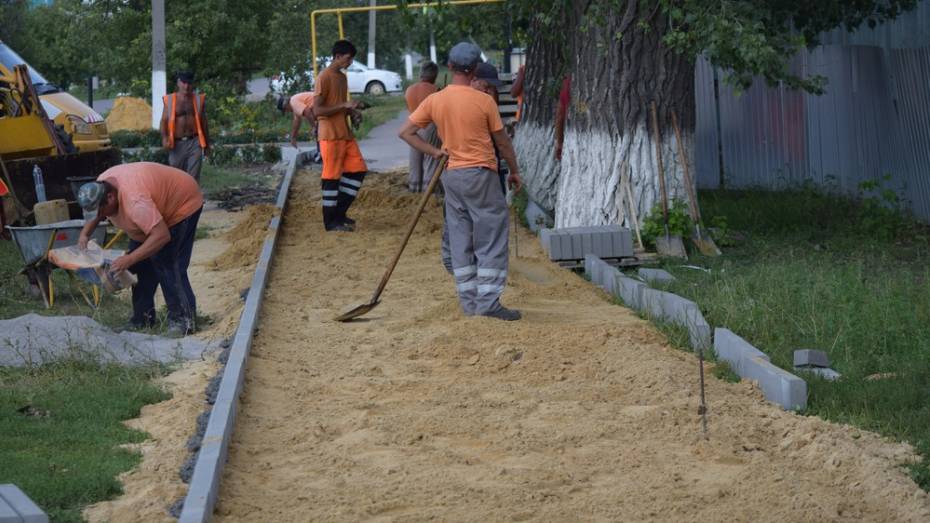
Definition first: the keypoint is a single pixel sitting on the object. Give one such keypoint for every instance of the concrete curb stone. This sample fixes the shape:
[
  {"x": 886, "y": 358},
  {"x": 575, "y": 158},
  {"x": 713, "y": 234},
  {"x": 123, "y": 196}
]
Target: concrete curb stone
[
  {"x": 778, "y": 385},
  {"x": 16, "y": 507}
]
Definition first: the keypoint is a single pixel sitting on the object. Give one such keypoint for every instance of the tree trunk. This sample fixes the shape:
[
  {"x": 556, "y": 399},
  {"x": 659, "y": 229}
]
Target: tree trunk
[
  {"x": 535, "y": 135},
  {"x": 618, "y": 65}
]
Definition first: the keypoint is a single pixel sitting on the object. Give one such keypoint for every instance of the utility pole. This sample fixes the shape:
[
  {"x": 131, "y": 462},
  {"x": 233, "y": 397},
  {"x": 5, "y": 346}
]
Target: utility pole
[
  {"x": 372, "y": 33},
  {"x": 432, "y": 46},
  {"x": 159, "y": 85}
]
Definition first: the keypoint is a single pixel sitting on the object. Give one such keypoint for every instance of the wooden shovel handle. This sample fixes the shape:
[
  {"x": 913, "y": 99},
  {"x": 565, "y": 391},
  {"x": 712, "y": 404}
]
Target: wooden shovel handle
[
  {"x": 410, "y": 227},
  {"x": 658, "y": 139},
  {"x": 692, "y": 198}
]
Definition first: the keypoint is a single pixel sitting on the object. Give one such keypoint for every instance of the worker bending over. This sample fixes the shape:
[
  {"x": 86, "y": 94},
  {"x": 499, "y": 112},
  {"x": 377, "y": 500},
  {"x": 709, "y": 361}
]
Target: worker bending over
[
  {"x": 476, "y": 213},
  {"x": 301, "y": 105},
  {"x": 158, "y": 206},
  {"x": 184, "y": 129},
  {"x": 343, "y": 166},
  {"x": 419, "y": 176}
]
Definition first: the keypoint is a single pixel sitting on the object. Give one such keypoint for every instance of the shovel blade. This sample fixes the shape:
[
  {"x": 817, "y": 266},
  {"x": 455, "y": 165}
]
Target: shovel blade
[
  {"x": 358, "y": 310},
  {"x": 671, "y": 246},
  {"x": 707, "y": 247}
]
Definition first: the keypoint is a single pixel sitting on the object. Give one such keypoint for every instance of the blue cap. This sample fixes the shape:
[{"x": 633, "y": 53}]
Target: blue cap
[
  {"x": 488, "y": 73},
  {"x": 464, "y": 56}
]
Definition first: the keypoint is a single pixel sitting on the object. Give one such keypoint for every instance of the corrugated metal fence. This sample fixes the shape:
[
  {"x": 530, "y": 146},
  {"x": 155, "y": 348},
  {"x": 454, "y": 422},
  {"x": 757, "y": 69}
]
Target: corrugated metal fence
[{"x": 874, "y": 119}]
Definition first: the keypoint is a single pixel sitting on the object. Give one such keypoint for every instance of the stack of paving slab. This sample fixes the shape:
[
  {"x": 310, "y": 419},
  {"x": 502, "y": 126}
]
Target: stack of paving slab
[
  {"x": 778, "y": 386},
  {"x": 16, "y": 507},
  {"x": 574, "y": 243}
]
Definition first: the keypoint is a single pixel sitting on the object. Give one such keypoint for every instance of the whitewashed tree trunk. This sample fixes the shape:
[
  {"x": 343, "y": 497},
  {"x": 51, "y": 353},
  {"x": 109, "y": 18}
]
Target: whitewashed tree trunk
[
  {"x": 589, "y": 191},
  {"x": 539, "y": 168},
  {"x": 618, "y": 64}
]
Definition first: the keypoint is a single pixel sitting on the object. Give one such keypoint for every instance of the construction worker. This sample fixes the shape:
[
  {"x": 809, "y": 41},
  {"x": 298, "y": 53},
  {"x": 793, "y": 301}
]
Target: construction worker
[
  {"x": 301, "y": 105},
  {"x": 415, "y": 94},
  {"x": 469, "y": 125},
  {"x": 184, "y": 129},
  {"x": 158, "y": 207},
  {"x": 344, "y": 168}
]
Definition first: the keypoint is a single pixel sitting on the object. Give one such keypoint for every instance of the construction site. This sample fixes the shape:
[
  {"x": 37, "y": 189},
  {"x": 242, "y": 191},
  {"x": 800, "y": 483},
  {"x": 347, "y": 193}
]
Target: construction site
[{"x": 688, "y": 347}]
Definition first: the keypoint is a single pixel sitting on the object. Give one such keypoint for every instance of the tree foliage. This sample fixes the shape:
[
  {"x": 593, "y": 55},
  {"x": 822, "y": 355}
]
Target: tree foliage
[{"x": 748, "y": 39}]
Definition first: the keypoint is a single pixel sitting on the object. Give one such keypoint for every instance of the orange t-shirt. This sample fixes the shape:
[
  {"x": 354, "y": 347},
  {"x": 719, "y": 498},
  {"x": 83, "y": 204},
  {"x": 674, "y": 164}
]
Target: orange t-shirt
[
  {"x": 150, "y": 193},
  {"x": 301, "y": 101},
  {"x": 465, "y": 118},
  {"x": 418, "y": 92},
  {"x": 333, "y": 88}
]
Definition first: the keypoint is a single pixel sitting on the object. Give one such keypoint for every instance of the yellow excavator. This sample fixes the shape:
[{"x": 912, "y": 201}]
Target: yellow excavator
[{"x": 41, "y": 126}]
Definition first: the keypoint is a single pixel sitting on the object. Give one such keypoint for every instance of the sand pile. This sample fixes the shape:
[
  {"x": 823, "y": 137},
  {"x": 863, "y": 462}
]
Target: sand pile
[
  {"x": 579, "y": 412},
  {"x": 129, "y": 114},
  {"x": 246, "y": 239}
]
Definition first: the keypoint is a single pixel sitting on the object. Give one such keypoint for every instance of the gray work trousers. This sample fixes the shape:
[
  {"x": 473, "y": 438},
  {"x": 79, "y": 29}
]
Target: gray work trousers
[
  {"x": 187, "y": 155},
  {"x": 421, "y": 165},
  {"x": 477, "y": 222}
]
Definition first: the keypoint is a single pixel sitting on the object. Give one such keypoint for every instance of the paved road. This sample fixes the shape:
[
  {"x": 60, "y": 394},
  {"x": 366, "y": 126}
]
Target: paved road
[{"x": 382, "y": 149}]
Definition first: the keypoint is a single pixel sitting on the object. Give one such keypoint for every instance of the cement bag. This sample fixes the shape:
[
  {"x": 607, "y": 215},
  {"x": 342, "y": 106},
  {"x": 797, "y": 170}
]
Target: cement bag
[{"x": 93, "y": 264}]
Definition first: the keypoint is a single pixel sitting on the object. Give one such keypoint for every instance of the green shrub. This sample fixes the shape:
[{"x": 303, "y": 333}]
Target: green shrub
[{"x": 679, "y": 223}]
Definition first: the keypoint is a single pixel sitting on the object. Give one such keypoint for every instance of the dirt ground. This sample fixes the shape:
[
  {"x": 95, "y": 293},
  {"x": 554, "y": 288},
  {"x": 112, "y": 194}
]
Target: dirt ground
[
  {"x": 217, "y": 280},
  {"x": 581, "y": 411}
]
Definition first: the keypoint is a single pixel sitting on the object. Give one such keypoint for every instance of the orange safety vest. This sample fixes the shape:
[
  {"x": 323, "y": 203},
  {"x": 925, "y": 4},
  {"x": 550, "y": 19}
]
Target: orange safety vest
[{"x": 198, "y": 107}]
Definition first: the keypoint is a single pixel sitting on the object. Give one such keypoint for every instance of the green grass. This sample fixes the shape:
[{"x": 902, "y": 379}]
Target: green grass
[
  {"x": 68, "y": 455},
  {"x": 820, "y": 272}
]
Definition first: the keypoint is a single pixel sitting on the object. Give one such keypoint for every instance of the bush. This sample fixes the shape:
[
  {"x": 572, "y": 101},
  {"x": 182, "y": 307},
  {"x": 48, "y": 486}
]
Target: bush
[
  {"x": 679, "y": 223},
  {"x": 126, "y": 139}
]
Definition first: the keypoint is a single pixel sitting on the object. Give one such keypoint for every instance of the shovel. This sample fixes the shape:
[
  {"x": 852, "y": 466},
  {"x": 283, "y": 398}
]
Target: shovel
[
  {"x": 703, "y": 242},
  {"x": 669, "y": 245},
  {"x": 364, "y": 308}
]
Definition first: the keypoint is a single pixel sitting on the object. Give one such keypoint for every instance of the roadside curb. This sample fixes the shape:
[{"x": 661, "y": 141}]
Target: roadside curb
[
  {"x": 778, "y": 385},
  {"x": 205, "y": 483}
]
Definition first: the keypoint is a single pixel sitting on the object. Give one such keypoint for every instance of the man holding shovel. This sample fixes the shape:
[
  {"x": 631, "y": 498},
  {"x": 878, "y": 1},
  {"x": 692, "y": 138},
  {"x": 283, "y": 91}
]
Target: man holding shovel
[
  {"x": 469, "y": 125},
  {"x": 158, "y": 206}
]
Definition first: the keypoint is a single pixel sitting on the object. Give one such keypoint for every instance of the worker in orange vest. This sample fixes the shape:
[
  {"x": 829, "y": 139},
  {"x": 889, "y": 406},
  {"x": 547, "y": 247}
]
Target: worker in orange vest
[{"x": 184, "y": 130}]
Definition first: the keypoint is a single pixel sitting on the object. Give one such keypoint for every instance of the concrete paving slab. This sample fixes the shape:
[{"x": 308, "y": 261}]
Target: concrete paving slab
[
  {"x": 14, "y": 501},
  {"x": 656, "y": 275},
  {"x": 779, "y": 386},
  {"x": 828, "y": 374},
  {"x": 630, "y": 291},
  {"x": 734, "y": 350},
  {"x": 811, "y": 358}
]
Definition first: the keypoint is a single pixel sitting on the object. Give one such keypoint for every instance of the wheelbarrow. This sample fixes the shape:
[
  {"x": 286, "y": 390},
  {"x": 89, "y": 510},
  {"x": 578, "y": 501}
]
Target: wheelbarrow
[{"x": 35, "y": 242}]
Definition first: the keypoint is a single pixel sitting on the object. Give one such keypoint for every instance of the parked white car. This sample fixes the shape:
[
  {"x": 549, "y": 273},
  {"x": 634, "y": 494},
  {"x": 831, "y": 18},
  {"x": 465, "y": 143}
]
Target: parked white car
[{"x": 362, "y": 79}]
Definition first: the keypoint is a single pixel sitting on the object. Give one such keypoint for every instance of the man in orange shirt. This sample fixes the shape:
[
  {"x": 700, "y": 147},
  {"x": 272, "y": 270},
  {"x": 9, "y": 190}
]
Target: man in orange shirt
[
  {"x": 415, "y": 94},
  {"x": 301, "y": 105},
  {"x": 470, "y": 126},
  {"x": 344, "y": 168},
  {"x": 158, "y": 206}
]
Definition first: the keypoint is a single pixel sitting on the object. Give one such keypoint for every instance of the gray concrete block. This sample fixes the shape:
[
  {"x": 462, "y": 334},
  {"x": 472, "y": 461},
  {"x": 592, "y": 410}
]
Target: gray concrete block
[
  {"x": 734, "y": 350},
  {"x": 576, "y": 252},
  {"x": 811, "y": 358},
  {"x": 698, "y": 329},
  {"x": 573, "y": 243},
  {"x": 587, "y": 244},
  {"x": 828, "y": 374},
  {"x": 779, "y": 386},
  {"x": 16, "y": 507},
  {"x": 630, "y": 291},
  {"x": 545, "y": 239},
  {"x": 656, "y": 275},
  {"x": 590, "y": 262}
]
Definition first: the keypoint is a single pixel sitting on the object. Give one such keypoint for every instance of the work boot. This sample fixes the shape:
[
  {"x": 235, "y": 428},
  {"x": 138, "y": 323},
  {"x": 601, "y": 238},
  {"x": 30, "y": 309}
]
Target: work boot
[
  {"x": 348, "y": 221},
  {"x": 342, "y": 227},
  {"x": 505, "y": 314}
]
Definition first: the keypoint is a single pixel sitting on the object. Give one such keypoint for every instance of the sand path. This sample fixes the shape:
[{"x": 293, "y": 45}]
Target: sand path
[{"x": 579, "y": 412}]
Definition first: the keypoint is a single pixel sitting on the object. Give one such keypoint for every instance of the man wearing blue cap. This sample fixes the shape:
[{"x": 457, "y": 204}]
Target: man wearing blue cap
[{"x": 469, "y": 125}]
